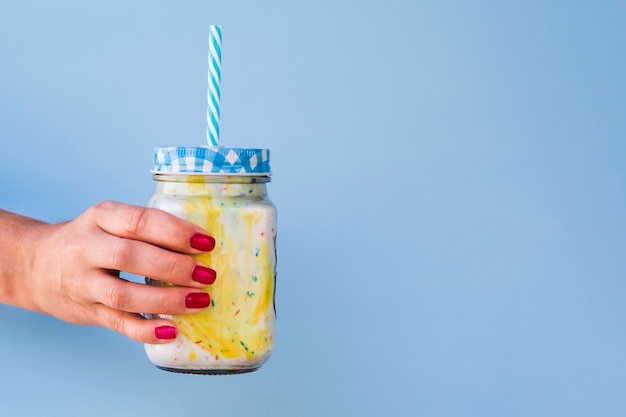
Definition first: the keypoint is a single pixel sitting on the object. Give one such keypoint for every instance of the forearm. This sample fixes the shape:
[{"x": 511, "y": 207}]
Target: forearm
[{"x": 15, "y": 255}]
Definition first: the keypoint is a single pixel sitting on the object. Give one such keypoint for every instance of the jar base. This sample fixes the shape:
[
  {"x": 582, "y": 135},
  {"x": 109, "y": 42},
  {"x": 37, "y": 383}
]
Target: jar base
[{"x": 209, "y": 371}]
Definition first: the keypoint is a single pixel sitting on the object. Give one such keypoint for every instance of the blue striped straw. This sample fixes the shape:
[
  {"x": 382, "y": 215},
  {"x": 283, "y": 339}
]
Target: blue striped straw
[{"x": 213, "y": 91}]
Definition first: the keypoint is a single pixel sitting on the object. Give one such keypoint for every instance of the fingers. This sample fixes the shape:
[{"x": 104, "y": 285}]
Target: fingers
[
  {"x": 134, "y": 326},
  {"x": 152, "y": 243},
  {"x": 116, "y": 304},
  {"x": 140, "y": 298},
  {"x": 143, "y": 259},
  {"x": 152, "y": 226}
]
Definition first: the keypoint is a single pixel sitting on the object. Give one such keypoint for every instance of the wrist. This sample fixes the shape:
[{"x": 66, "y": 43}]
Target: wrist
[{"x": 16, "y": 257}]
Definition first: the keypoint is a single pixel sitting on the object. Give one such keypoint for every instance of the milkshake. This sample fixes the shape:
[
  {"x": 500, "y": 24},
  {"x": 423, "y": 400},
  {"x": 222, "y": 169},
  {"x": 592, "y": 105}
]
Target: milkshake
[{"x": 224, "y": 191}]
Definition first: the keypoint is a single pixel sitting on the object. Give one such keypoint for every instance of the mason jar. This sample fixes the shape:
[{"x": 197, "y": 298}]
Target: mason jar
[{"x": 224, "y": 191}]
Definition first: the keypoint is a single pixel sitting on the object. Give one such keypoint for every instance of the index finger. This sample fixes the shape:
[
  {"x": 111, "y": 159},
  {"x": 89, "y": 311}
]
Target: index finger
[{"x": 153, "y": 226}]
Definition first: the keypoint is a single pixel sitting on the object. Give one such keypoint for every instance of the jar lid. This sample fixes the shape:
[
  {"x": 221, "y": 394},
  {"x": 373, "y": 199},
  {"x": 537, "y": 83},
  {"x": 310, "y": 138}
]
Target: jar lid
[{"x": 211, "y": 160}]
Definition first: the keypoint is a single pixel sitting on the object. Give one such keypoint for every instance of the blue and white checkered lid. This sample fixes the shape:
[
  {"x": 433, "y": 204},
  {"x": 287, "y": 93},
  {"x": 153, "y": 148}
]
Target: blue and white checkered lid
[{"x": 211, "y": 160}]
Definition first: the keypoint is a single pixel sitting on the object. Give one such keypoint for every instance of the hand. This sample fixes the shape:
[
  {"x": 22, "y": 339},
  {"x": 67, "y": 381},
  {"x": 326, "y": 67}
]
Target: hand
[{"x": 73, "y": 269}]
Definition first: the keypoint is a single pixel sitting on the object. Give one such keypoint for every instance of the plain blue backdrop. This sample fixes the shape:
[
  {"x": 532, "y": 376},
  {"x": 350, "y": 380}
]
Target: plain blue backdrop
[{"x": 450, "y": 179}]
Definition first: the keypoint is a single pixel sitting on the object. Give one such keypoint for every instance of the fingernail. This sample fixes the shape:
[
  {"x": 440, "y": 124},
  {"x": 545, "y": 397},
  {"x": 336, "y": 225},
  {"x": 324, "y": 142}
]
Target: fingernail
[
  {"x": 203, "y": 275},
  {"x": 197, "y": 300},
  {"x": 165, "y": 332},
  {"x": 202, "y": 242}
]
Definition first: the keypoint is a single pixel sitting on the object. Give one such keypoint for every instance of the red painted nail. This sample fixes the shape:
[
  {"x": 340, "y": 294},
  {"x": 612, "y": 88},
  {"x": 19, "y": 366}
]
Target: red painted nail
[
  {"x": 165, "y": 332},
  {"x": 203, "y": 275},
  {"x": 197, "y": 300},
  {"x": 202, "y": 242}
]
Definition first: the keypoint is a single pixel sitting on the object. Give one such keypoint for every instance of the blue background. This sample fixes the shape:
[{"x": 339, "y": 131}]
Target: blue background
[{"x": 450, "y": 178}]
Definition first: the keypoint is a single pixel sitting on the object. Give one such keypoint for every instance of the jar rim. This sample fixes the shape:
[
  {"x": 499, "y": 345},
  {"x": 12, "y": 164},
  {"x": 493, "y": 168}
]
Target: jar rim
[
  {"x": 199, "y": 177},
  {"x": 214, "y": 174}
]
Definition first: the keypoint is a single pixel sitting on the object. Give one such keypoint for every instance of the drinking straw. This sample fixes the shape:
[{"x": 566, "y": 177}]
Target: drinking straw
[{"x": 213, "y": 91}]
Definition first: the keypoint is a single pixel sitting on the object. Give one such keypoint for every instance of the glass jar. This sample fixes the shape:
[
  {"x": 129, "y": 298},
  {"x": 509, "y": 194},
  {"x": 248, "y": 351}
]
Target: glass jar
[{"x": 235, "y": 334}]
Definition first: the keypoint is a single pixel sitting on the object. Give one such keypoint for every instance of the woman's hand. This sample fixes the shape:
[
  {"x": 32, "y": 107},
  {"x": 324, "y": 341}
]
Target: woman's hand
[{"x": 71, "y": 270}]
